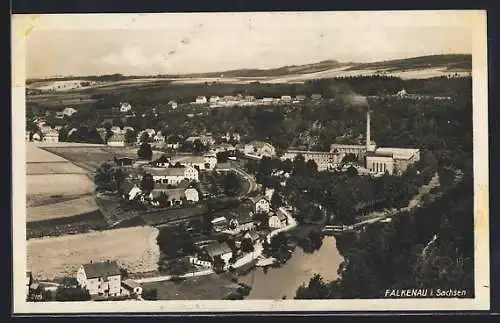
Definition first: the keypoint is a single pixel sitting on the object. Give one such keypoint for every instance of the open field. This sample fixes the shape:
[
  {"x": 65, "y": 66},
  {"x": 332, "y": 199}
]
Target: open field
[
  {"x": 55, "y": 188},
  {"x": 91, "y": 158},
  {"x": 53, "y": 168},
  {"x": 62, "y": 209},
  {"x": 45, "y": 187},
  {"x": 75, "y": 224},
  {"x": 209, "y": 287},
  {"x": 36, "y": 155},
  {"x": 133, "y": 248}
]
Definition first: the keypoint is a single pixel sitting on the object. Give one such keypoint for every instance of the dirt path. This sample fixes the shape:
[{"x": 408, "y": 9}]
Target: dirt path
[{"x": 412, "y": 204}]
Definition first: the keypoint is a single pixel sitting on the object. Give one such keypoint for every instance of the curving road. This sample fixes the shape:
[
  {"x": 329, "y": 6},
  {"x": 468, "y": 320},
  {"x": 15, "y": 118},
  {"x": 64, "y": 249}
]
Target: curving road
[
  {"x": 253, "y": 186},
  {"x": 249, "y": 257}
]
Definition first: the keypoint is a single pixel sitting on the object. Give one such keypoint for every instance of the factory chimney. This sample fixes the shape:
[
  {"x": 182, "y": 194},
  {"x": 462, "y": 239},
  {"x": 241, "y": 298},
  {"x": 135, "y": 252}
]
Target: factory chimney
[
  {"x": 369, "y": 146},
  {"x": 368, "y": 139}
]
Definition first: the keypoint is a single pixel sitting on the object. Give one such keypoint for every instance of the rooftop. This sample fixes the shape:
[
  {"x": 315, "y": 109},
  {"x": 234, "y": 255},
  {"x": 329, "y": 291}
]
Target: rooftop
[
  {"x": 101, "y": 269},
  {"x": 131, "y": 283},
  {"x": 397, "y": 153},
  {"x": 162, "y": 171},
  {"x": 217, "y": 249}
]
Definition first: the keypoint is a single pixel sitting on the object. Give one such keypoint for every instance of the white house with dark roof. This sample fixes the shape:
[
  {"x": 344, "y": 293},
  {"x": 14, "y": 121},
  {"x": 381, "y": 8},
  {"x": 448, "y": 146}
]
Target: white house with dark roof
[
  {"x": 259, "y": 149},
  {"x": 219, "y": 224},
  {"x": 159, "y": 138},
  {"x": 278, "y": 220},
  {"x": 176, "y": 196},
  {"x": 69, "y": 111},
  {"x": 125, "y": 107},
  {"x": 51, "y": 135},
  {"x": 163, "y": 161},
  {"x": 261, "y": 204},
  {"x": 172, "y": 104},
  {"x": 132, "y": 288},
  {"x": 218, "y": 249},
  {"x": 116, "y": 140},
  {"x": 206, "y": 162},
  {"x": 201, "y": 100},
  {"x": 172, "y": 175},
  {"x": 100, "y": 278}
]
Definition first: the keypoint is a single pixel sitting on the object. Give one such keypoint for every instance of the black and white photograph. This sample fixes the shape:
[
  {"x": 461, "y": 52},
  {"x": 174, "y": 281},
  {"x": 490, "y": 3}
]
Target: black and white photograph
[{"x": 250, "y": 161}]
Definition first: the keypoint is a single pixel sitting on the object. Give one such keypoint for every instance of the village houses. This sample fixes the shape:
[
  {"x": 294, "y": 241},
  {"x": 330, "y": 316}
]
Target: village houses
[
  {"x": 172, "y": 104},
  {"x": 125, "y": 107},
  {"x": 163, "y": 161},
  {"x": 50, "y": 135},
  {"x": 219, "y": 224},
  {"x": 175, "y": 196},
  {"x": 206, "y": 162},
  {"x": 217, "y": 249},
  {"x": 201, "y": 100},
  {"x": 206, "y": 140},
  {"x": 243, "y": 222},
  {"x": 116, "y": 140},
  {"x": 100, "y": 278},
  {"x": 159, "y": 138},
  {"x": 262, "y": 204},
  {"x": 173, "y": 175},
  {"x": 68, "y": 112},
  {"x": 151, "y": 133},
  {"x": 214, "y": 99},
  {"x": 260, "y": 149},
  {"x": 278, "y": 220},
  {"x": 131, "y": 288}
]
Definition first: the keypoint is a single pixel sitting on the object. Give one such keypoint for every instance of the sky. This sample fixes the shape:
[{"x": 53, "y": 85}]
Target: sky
[{"x": 193, "y": 43}]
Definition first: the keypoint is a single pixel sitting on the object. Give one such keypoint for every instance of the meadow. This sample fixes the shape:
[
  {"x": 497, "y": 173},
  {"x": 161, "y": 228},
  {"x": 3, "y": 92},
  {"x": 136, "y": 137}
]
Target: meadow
[
  {"x": 135, "y": 249},
  {"x": 55, "y": 188}
]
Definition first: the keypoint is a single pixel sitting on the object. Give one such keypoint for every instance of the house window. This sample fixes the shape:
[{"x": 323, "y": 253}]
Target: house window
[{"x": 165, "y": 181}]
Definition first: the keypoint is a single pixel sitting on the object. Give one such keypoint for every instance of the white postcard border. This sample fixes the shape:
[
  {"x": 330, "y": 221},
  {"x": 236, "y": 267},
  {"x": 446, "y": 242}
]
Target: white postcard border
[{"x": 476, "y": 19}]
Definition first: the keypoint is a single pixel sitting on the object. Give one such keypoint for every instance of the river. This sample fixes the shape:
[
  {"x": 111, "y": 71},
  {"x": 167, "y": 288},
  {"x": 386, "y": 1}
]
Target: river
[{"x": 285, "y": 280}]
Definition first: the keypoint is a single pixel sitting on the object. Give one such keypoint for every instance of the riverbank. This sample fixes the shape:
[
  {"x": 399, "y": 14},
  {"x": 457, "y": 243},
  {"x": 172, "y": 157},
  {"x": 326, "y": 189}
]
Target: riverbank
[{"x": 276, "y": 283}]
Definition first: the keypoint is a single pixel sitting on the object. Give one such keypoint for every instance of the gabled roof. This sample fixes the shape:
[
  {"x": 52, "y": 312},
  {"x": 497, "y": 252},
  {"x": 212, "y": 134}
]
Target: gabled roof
[
  {"x": 281, "y": 216},
  {"x": 258, "y": 198},
  {"x": 163, "y": 159},
  {"x": 130, "y": 283},
  {"x": 217, "y": 249},
  {"x": 101, "y": 269},
  {"x": 161, "y": 171},
  {"x": 172, "y": 193}
]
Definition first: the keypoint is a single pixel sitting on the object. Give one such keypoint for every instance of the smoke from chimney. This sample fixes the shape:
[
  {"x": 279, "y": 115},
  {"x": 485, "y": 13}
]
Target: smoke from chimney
[
  {"x": 347, "y": 95},
  {"x": 356, "y": 100}
]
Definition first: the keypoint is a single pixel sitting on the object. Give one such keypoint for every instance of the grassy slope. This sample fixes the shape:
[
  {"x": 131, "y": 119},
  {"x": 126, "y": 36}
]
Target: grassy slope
[{"x": 450, "y": 62}]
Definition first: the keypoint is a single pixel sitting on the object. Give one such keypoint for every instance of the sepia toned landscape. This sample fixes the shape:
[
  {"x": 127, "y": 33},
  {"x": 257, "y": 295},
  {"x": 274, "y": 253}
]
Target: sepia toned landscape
[{"x": 158, "y": 173}]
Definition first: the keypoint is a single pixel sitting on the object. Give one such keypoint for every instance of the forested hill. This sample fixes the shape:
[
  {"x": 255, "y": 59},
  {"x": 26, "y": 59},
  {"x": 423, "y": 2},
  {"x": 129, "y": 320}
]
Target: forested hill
[{"x": 404, "y": 255}]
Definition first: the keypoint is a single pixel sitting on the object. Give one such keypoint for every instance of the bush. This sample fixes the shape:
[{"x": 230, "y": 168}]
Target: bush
[
  {"x": 67, "y": 294},
  {"x": 150, "y": 294}
]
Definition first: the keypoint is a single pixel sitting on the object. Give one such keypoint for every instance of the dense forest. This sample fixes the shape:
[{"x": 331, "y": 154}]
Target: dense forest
[{"x": 432, "y": 247}]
